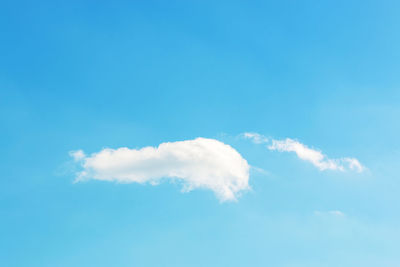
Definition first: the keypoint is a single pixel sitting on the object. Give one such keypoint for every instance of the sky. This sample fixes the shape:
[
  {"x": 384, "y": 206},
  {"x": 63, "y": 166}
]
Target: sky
[{"x": 199, "y": 133}]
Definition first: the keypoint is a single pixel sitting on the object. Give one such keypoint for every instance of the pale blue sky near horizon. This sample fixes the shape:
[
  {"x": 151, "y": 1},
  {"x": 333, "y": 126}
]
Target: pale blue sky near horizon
[{"x": 94, "y": 74}]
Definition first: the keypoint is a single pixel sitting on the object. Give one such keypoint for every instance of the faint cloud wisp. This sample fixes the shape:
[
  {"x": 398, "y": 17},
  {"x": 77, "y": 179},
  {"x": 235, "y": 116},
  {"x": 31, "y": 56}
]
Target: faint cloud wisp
[{"x": 315, "y": 157}]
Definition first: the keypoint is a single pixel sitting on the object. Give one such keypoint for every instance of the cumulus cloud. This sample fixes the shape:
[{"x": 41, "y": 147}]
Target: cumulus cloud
[
  {"x": 316, "y": 157},
  {"x": 199, "y": 163}
]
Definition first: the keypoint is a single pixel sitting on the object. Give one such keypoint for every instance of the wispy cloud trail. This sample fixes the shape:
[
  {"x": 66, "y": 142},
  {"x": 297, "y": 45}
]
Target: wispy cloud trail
[{"x": 315, "y": 157}]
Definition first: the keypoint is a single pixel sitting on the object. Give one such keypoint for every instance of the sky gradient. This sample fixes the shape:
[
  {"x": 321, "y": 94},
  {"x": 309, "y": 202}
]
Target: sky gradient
[{"x": 94, "y": 75}]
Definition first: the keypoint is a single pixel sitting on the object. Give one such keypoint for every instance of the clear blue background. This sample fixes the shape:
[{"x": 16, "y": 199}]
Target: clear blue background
[{"x": 94, "y": 74}]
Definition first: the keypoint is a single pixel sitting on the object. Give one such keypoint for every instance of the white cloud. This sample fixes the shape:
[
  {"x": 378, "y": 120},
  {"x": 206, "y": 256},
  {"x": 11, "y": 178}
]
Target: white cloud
[
  {"x": 354, "y": 164},
  {"x": 256, "y": 138},
  {"x": 199, "y": 163},
  {"x": 77, "y": 155},
  {"x": 316, "y": 157}
]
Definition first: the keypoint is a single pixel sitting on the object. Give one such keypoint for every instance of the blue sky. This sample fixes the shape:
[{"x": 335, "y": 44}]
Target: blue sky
[{"x": 95, "y": 75}]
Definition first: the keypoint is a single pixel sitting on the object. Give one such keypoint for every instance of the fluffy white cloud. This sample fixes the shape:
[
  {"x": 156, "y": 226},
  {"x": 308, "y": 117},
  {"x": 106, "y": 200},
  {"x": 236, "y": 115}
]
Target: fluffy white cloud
[
  {"x": 199, "y": 163},
  {"x": 318, "y": 159}
]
